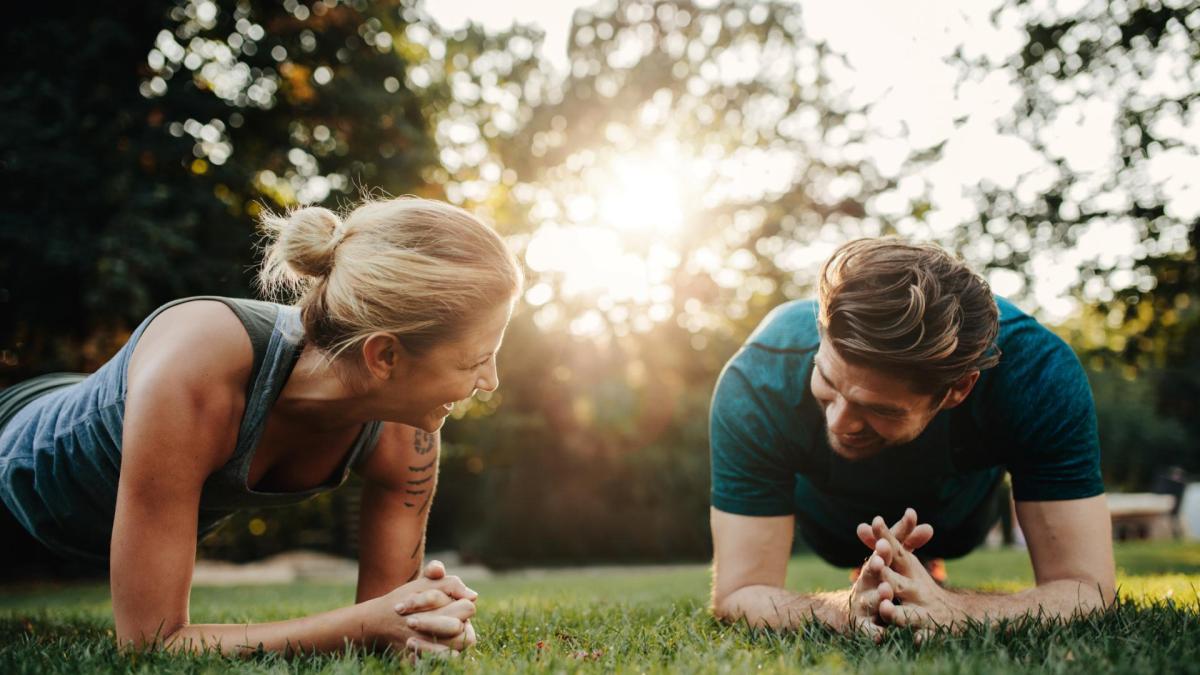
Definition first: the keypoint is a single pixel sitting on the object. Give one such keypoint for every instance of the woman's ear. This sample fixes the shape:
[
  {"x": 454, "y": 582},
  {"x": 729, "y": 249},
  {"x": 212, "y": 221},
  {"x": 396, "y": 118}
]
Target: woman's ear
[{"x": 382, "y": 354}]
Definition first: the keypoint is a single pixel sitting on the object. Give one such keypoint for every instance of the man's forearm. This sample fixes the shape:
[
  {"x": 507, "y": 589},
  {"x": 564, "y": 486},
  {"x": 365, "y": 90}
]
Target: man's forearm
[
  {"x": 779, "y": 608},
  {"x": 1064, "y": 598}
]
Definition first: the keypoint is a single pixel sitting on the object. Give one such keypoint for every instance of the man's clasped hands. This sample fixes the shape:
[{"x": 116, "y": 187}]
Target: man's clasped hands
[{"x": 893, "y": 587}]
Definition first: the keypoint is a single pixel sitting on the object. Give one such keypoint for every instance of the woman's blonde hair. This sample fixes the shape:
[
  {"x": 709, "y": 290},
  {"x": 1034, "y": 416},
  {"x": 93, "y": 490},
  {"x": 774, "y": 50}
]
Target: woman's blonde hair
[
  {"x": 420, "y": 269},
  {"x": 912, "y": 309}
]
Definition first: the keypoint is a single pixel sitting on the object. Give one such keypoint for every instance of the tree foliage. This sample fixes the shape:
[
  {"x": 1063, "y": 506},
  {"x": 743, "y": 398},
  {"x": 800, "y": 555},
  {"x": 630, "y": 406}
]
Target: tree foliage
[{"x": 137, "y": 160}]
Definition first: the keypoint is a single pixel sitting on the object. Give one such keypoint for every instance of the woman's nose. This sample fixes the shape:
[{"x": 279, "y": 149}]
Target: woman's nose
[{"x": 489, "y": 379}]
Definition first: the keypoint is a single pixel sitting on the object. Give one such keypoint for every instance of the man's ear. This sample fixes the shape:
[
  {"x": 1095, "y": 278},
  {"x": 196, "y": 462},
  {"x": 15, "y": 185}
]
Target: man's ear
[
  {"x": 382, "y": 354},
  {"x": 959, "y": 390}
]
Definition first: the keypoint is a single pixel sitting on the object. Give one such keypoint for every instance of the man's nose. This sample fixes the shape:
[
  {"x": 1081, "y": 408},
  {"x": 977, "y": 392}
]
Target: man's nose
[{"x": 841, "y": 419}]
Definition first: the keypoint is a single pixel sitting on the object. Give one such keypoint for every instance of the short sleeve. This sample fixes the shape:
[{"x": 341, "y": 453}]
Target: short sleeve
[
  {"x": 1043, "y": 401},
  {"x": 752, "y": 474}
]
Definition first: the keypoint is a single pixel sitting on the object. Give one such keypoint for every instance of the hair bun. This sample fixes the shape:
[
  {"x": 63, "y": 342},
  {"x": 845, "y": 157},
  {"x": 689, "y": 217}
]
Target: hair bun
[{"x": 309, "y": 240}]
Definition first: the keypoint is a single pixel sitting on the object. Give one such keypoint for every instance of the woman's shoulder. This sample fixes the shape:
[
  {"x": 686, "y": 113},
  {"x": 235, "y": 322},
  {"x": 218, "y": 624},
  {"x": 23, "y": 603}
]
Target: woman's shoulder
[{"x": 200, "y": 344}]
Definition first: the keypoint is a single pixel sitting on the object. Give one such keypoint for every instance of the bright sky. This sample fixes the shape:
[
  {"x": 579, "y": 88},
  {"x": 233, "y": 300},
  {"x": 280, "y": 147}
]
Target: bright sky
[{"x": 897, "y": 51}]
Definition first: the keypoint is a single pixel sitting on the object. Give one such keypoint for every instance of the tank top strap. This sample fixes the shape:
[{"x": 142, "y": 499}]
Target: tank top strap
[{"x": 283, "y": 349}]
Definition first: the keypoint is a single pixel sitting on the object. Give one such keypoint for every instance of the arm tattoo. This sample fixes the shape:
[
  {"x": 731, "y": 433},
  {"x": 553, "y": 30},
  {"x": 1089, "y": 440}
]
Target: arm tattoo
[
  {"x": 423, "y": 467},
  {"x": 415, "y": 481},
  {"x": 423, "y": 442}
]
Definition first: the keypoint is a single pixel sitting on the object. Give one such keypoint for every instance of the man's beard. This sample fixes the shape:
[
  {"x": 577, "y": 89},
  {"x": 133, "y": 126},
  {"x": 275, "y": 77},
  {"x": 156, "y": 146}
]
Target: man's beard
[{"x": 872, "y": 445}]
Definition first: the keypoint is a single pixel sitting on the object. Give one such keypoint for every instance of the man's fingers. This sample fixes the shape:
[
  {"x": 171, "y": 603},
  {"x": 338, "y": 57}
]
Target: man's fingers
[
  {"x": 905, "y": 525},
  {"x": 423, "y": 602},
  {"x": 885, "y": 552},
  {"x": 899, "y": 557},
  {"x": 920, "y": 536},
  {"x": 435, "y": 570},
  {"x": 869, "y": 576},
  {"x": 897, "y": 583},
  {"x": 885, "y": 591},
  {"x": 903, "y": 615},
  {"x": 865, "y": 535},
  {"x": 868, "y": 627}
]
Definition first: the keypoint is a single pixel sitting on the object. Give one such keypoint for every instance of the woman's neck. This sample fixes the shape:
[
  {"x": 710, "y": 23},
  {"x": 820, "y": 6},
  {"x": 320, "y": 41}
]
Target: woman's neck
[{"x": 317, "y": 395}]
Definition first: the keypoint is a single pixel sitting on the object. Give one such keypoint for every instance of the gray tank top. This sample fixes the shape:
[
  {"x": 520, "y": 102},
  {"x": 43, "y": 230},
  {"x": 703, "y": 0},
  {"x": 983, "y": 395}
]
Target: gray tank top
[{"x": 60, "y": 440}]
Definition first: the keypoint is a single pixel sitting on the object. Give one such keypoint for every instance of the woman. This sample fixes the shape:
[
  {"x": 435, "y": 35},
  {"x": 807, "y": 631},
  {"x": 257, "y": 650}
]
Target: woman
[{"x": 218, "y": 404}]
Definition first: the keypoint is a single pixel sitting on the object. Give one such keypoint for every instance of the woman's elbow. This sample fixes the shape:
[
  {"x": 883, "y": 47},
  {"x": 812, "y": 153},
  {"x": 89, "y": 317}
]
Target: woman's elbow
[{"x": 139, "y": 639}]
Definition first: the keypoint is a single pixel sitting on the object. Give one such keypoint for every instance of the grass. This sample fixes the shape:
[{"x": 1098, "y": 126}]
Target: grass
[{"x": 655, "y": 621}]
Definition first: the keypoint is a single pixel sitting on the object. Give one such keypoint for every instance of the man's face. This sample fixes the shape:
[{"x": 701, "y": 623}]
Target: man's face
[{"x": 867, "y": 410}]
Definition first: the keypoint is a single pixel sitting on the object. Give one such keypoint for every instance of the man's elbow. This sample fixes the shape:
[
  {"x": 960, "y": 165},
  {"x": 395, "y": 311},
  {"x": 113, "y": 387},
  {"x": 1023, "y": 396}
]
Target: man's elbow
[
  {"x": 1092, "y": 593},
  {"x": 1108, "y": 592}
]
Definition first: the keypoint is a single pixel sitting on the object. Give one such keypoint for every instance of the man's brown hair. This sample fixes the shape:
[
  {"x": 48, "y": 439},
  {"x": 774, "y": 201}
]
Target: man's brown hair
[{"x": 912, "y": 310}]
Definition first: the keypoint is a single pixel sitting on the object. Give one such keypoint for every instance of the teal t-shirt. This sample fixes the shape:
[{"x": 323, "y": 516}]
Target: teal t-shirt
[{"x": 1031, "y": 415}]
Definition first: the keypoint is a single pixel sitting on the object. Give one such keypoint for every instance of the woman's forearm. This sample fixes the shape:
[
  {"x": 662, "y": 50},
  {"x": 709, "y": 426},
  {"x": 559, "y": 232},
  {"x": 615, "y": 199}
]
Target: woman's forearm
[{"x": 324, "y": 632}]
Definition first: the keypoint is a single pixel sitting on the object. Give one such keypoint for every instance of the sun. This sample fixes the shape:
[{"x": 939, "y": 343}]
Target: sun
[
  {"x": 617, "y": 245},
  {"x": 644, "y": 196}
]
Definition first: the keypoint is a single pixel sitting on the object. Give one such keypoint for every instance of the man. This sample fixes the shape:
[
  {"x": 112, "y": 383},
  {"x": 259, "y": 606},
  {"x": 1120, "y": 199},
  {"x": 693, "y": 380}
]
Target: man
[{"x": 906, "y": 384}]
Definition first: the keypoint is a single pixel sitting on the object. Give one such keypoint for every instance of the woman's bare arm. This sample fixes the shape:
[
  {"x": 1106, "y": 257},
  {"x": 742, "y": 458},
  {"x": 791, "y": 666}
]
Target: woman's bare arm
[
  {"x": 183, "y": 407},
  {"x": 399, "y": 477}
]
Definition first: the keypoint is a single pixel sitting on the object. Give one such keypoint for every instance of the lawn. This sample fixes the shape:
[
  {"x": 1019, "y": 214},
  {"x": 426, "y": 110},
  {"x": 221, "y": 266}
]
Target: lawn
[{"x": 655, "y": 621}]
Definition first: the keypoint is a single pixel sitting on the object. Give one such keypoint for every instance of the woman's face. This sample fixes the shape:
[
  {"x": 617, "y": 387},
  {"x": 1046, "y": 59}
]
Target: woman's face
[{"x": 430, "y": 384}]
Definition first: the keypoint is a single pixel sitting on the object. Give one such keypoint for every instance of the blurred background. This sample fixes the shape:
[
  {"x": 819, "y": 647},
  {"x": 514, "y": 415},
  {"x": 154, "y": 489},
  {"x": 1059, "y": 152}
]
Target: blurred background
[{"x": 667, "y": 171}]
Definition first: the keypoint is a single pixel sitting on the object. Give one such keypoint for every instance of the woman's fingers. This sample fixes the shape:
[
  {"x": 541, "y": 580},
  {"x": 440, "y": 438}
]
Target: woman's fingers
[
  {"x": 445, "y": 622},
  {"x": 459, "y": 609},
  {"x": 435, "y": 570},
  {"x": 420, "y": 648},
  {"x": 435, "y": 625},
  {"x": 423, "y": 602},
  {"x": 455, "y": 588},
  {"x": 469, "y": 637}
]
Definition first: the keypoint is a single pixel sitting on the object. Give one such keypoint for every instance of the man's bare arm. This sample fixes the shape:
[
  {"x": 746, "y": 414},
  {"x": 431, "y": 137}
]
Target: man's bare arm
[
  {"x": 750, "y": 556},
  {"x": 1070, "y": 546}
]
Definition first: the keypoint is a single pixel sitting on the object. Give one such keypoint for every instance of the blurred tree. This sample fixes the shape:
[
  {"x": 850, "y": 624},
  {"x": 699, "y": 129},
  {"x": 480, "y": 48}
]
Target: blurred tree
[
  {"x": 102, "y": 216},
  {"x": 1128, "y": 72},
  {"x": 682, "y": 178},
  {"x": 135, "y": 166}
]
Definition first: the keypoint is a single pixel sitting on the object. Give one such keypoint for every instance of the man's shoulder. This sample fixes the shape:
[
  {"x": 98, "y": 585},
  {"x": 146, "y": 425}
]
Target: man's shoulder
[
  {"x": 1024, "y": 338},
  {"x": 769, "y": 374},
  {"x": 789, "y": 328}
]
